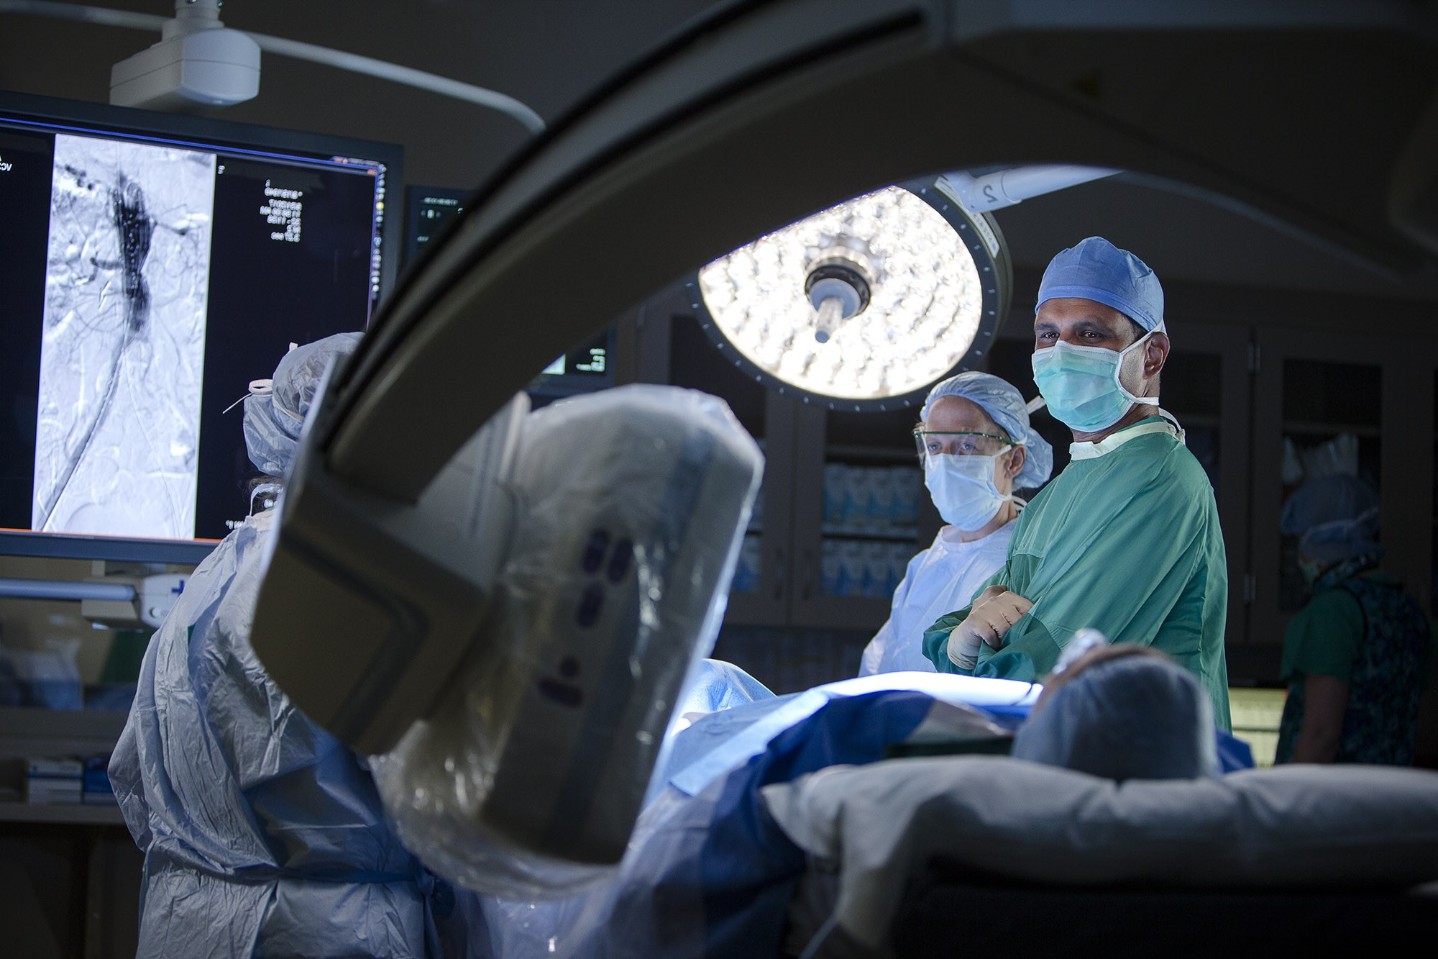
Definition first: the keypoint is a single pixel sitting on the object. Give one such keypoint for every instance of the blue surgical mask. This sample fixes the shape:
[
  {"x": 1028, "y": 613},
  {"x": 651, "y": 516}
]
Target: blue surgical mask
[
  {"x": 963, "y": 488},
  {"x": 1082, "y": 385}
]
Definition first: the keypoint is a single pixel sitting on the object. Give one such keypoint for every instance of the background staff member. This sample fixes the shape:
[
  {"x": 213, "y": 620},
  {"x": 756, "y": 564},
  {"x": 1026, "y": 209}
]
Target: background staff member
[{"x": 1358, "y": 656}]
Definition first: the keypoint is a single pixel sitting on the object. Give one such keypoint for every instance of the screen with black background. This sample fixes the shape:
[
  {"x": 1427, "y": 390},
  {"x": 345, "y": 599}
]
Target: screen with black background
[{"x": 153, "y": 267}]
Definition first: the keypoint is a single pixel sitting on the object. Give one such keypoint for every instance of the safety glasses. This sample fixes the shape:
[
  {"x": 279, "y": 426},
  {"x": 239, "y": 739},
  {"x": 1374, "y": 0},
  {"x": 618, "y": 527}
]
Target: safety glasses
[{"x": 935, "y": 442}]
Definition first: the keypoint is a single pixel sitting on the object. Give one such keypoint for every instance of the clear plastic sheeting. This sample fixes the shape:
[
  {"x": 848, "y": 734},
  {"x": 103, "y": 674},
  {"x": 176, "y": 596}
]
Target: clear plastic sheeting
[{"x": 528, "y": 778}]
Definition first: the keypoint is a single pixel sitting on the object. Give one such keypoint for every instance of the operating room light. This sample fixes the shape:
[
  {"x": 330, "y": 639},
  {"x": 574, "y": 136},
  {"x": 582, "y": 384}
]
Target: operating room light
[{"x": 863, "y": 305}]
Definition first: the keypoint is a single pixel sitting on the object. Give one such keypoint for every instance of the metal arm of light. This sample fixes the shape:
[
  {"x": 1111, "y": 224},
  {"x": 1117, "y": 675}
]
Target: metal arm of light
[{"x": 993, "y": 191}]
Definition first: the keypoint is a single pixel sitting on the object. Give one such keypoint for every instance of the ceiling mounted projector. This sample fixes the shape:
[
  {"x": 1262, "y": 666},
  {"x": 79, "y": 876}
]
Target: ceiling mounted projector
[{"x": 197, "y": 63}]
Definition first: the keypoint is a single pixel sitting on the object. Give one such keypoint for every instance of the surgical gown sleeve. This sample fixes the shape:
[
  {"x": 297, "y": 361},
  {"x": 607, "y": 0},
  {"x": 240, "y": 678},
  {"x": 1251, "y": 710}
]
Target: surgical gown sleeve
[{"x": 1127, "y": 543}]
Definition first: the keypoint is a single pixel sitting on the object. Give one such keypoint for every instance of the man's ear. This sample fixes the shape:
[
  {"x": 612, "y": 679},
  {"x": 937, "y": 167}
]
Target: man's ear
[{"x": 1155, "y": 354}]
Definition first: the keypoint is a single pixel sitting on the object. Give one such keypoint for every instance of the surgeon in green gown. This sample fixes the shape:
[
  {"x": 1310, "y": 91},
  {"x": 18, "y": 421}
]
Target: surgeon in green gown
[{"x": 1126, "y": 540}]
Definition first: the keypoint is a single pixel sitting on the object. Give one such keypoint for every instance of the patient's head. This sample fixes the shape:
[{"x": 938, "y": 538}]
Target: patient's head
[{"x": 1122, "y": 712}]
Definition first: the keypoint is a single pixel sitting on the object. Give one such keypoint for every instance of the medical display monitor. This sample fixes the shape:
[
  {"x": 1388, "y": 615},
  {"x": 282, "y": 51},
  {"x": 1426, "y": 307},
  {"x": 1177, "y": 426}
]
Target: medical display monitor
[{"x": 153, "y": 266}]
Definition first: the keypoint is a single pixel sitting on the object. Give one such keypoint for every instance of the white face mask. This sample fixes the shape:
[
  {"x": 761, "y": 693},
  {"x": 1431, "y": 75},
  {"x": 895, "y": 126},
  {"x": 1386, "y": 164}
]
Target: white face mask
[{"x": 963, "y": 488}]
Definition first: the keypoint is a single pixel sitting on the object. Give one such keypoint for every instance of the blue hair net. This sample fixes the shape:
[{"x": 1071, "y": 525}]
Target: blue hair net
[
  {"x": 1006, "y": 407},
  {"x": 1335, "y": 518},
  {"x": 274, "y": 416},
  {"x": 1097, "y": 270},
  {"x": 1136, "y": 716}
]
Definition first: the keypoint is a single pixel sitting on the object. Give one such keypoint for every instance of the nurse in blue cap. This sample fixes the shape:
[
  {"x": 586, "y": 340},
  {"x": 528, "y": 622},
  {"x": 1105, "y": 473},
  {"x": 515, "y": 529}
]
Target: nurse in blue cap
[
  {"x": 977, "y": 450},
  {"x": 1126, "y": 540}
]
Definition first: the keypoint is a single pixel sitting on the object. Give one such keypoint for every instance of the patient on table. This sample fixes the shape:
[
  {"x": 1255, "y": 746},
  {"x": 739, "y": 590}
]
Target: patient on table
[{"x": 1121, "y": 712}]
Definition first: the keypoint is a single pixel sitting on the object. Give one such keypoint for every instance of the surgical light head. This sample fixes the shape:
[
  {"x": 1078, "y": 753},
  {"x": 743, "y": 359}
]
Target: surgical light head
[
  {"x": 1095, "y": 269},
  {"x": 1002, "y": 402},
  {"x": 862, "y": 304}
]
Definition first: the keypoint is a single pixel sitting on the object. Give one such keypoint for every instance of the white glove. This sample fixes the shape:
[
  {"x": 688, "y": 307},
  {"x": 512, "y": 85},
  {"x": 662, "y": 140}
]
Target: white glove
[{"x": 963, "y": 648}]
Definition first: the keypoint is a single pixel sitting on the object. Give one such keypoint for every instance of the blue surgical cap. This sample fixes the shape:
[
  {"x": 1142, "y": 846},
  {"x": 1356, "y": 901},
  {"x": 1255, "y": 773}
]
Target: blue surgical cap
[
  {"x": 1137, "y": 716},
  {"x": 274, "y": 417},
  {"x": 1006, "y": 407},
  {"x": 1097, "y": 270},
  {"x": 1335, "y": 518}
]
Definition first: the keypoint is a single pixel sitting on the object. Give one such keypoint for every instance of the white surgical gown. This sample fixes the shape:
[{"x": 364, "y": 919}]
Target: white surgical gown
[{"x": 939, "y": 579}]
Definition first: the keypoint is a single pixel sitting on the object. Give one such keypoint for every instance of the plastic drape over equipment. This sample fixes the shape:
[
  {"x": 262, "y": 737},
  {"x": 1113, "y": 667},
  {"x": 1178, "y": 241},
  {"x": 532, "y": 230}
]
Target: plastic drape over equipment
[
  {"x": 630, "y": 509},
  {"x": 261, "y": 833}
]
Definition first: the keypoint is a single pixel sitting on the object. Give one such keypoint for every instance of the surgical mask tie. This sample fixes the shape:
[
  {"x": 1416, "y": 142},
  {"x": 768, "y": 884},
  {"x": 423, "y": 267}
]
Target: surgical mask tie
[
  {"x": 1083, "y": 386},
  {"x": 963, "y": 488}
]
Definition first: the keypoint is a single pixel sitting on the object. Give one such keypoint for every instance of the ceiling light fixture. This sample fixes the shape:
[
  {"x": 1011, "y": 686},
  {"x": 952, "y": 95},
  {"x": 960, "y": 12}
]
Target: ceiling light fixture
[{"x": 865, "y": 305}]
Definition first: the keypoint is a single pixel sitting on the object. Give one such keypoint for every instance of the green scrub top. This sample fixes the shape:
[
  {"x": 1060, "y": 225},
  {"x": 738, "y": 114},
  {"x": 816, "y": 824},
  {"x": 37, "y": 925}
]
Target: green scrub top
[
  {"x": 1128, "y": 543},
  {"x": 1322, "y": 638}
]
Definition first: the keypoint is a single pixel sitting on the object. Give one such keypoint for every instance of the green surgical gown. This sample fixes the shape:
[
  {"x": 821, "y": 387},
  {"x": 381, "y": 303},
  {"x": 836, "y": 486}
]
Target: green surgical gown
[{"x": 1127, "y": 543}]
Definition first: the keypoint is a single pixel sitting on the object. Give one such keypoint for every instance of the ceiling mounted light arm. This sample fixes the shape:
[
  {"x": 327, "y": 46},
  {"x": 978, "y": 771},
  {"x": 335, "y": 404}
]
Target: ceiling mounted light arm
[
  {"x": 408, "y": 76},
  {"x": 993, "y": 191},
  {"x": 102, "y": 16},
  {"x": 282, "y": 46}
]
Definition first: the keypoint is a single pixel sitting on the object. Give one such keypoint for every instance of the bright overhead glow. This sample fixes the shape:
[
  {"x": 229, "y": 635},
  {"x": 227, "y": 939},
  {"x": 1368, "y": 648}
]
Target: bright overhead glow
[{"x": 872, "y": 299}]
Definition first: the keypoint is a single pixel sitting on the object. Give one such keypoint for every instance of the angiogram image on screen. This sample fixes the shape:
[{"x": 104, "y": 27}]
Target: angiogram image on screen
[{"x": 123, "y": 348}]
